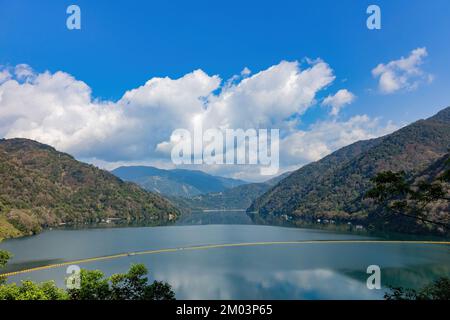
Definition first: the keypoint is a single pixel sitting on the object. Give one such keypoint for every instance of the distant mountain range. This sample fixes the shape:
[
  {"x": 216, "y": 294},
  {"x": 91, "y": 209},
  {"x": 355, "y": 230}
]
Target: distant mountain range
[
  {"x": 240, "y": 197},
  {"x": 334, "y": 187},
  {"x": 41, "y": 187},
  {"x": 177, "y": 182},
  {"x": 197, "y": 190}
]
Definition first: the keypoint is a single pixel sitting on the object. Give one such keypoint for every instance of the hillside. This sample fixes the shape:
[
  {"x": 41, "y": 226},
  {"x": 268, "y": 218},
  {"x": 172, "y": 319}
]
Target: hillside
[
  {"x": 438, "y": 174},
  {"x": 177, "y": 182},
  {"x": 335, "y": 185},
  {"x": 240, "y": 197},
  {"x": 41, "y": 187}
]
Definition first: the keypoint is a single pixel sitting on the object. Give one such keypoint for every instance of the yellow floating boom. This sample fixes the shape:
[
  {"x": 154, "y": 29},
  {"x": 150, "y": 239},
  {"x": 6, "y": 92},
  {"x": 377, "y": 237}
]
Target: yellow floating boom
[{"x": 216, "y": 246}]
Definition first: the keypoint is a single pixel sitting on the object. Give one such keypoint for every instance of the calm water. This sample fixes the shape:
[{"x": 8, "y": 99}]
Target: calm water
[{"x": 306, "y": 271}]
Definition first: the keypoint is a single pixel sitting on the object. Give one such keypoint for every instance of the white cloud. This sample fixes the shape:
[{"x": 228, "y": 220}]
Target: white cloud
[
  {"x": 23, "y": 72},
  {"x": 5, "y": 75},
  {"x": 246, "y": 72},
  {"x": 404, "y": 73},
  {"x": 323, "y": 138},
  {"x": 57, "y": 109},
  {"x": 340, "y": 99},
  {"x": 267, "y": 98}
]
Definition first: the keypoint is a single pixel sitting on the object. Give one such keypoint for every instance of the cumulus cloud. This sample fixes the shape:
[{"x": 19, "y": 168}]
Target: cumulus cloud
[
  {"x": 324, "y": 137},
  {"x": 23, "y": 72},
  {"x": 246, "y": 72},
  {"x": 404, "y": 73},
  {"x": 57, "y": 109},
  {"x": 4, "y": 76},
  {"x": 267, "y": 98},
  {"x": 337, "y": 101}
]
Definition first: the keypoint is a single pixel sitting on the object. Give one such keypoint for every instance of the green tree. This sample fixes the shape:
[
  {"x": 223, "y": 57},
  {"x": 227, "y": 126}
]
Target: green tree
[
  {"x": 93, "y": 286},
  {"x": 4, "y": 258},
  {"x": 28, "y": 290},
  {"x": 159, "y": 291},
  {"x": 396, "y": 195},
  {"x": 132, "y": 285}
]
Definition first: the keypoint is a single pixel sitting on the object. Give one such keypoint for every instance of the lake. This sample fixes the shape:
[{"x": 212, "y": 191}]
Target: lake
[{"x": 281, "y": 271}]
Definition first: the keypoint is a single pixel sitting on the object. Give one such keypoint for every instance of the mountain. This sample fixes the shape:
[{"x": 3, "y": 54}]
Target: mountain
[
  {"x": 41, "y": 187},
  {"x": 240, "y": 197},
  {"x": 334, "y": 186},
  {"x": 437, "y": 174},
  {"x": 177, "y": 182}
]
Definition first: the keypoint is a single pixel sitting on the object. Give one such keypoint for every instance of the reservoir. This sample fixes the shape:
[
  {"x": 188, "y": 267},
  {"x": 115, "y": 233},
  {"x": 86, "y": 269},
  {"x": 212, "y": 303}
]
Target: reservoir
[{"x": 314, "y": 269}]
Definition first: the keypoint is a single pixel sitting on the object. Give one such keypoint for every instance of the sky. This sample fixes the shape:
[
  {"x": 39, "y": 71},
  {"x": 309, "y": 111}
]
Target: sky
[{"x": 113, "y": 92}]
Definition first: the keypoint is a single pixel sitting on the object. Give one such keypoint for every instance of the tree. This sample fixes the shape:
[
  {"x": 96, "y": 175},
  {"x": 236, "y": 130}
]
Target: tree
[
  {"x": 4, "y": 258},
  {"x": 93, "y": 286},
  {"x": 438, "y": 290},
  {"x": 28, "y": 290},
  {"x": 159, "y": 291},
  {"x": 396, "y": 195},
  {"x": 132, "y": 285}
]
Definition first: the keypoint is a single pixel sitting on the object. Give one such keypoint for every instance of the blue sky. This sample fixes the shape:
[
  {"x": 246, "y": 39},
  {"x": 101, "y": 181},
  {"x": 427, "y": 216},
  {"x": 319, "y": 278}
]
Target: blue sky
[{"x": 123, "y": 44}]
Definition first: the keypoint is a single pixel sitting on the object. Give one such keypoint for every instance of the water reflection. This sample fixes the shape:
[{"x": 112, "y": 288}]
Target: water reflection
[
  {"x": 292, "y": 285},
  {"x": 306, "y": 271},
  {"x": 215, "y": 217}
]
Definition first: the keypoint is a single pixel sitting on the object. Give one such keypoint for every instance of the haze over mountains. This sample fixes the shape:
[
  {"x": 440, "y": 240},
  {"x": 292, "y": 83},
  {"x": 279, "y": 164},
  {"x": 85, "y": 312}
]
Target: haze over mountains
[
  {"x": 197, "y": 190},
  {"x": 177, "y": 182},
  {"x": 240, "y": 197},
  {"x": 334, "y": 187}
]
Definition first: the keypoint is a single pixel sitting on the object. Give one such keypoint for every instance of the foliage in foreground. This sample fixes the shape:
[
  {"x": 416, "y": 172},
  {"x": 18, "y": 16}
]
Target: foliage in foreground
[
  {"x": 132, "y": 285},
  {"x": 4, "y": 257},
  {"x": 438, "y": 290},
  {"x": 29, "y": 290}
]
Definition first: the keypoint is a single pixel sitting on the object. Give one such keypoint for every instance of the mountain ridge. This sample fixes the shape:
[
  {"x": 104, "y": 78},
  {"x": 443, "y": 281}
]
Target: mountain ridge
[
  {"x": 335, "y": 185},
  {"x": 236, "y": 198},
  {"x": 175, "y": 182},
  {"x": 41, "y": 187}
]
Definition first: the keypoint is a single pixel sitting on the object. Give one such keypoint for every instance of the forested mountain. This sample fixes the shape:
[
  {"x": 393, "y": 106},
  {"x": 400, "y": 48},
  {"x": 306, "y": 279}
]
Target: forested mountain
[
  {"x": 41, "y": 187},
  {"x": 240, "y": 197},
  {"x": 416, "y": 205},
  {"x": 335, "y": 185},
  {"x": 177, "y": 182}
]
